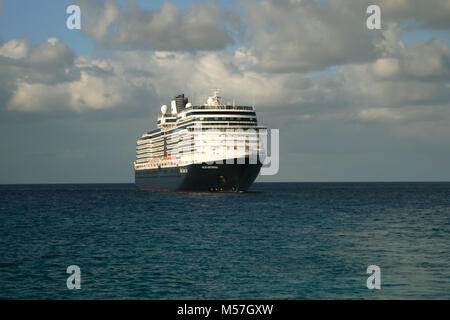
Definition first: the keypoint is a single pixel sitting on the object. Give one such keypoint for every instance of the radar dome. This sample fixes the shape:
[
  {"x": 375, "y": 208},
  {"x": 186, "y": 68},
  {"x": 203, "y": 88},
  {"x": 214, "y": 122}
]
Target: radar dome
[{"x": 164, "y": 109}]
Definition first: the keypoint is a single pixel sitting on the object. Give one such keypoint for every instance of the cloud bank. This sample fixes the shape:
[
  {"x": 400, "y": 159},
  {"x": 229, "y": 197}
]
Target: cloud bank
[
  {"x": 204, "y": 26},
  {"x": 338, "y": 90}
]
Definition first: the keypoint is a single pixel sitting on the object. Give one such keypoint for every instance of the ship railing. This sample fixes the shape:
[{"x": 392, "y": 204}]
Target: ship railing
[{"x": 220, "y": 107}]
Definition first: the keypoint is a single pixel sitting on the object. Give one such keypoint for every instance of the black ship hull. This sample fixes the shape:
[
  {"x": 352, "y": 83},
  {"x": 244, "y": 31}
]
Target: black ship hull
[{"x": 199, "y": 177}]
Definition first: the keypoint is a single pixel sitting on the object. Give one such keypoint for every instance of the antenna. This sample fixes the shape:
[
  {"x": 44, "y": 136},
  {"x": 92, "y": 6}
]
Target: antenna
[
  {"x": 216, "y": 91},
  {"x": 216, "y": 95}
]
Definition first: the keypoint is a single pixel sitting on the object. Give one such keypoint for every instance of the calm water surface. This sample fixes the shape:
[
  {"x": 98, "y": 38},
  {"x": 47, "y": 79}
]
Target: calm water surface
[{"x": 280, "y": 241}]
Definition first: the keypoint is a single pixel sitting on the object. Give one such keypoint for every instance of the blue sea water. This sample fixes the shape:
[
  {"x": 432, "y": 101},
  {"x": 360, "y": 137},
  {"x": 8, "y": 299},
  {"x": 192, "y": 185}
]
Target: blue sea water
[{"x": 280, "y": 241}]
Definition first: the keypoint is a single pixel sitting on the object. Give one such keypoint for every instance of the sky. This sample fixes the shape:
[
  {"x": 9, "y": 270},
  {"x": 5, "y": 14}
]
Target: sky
[{"x": 351, "y": 104}]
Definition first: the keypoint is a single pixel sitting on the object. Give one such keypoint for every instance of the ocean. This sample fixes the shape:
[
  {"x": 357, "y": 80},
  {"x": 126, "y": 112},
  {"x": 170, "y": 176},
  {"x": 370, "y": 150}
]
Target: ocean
[{"x": 278, "y": 241}]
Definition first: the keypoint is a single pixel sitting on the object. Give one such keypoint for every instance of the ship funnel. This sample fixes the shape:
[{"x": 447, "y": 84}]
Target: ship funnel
[{"x": 181, "y": 102}]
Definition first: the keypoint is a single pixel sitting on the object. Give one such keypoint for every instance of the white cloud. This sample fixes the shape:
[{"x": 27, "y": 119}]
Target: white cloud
[
  {"x": 93, "y": 92},
  {"x": 46, "y": 77},
  {"x": 51, "y": 53},
  {"x": 433, "y": 14},
  {"x": 399, "y": 76},
  {"x": 90, "y": 92},
  {"x": 427, "y": 60},
  {"x": 366, "y": 92},
  {"x": 423, "y": 61},
  {"x": 291, "y": 36},
  {"x": 38, "y": 97},
  {"x": 48, "y": 62},
  {"x": 15, "y": 49},
  {"x": 386, "y": 67},
  {"x": 279, "y": 36},
  {"x": 202, "y": 26}
]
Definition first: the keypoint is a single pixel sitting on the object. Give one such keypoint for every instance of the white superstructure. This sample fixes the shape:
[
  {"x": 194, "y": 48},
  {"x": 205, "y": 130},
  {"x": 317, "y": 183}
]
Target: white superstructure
[{"x": 189, "y": 134}]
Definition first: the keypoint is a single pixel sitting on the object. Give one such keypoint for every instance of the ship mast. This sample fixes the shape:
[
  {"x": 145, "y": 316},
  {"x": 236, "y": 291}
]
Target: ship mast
[{"x": 214, "y": 100}]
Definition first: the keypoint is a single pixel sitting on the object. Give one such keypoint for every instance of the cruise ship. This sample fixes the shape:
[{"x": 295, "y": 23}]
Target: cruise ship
[{"x": 211, "y": 147}]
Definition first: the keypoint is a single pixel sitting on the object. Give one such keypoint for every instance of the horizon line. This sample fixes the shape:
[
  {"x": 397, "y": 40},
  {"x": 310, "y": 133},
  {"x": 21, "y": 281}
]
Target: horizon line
[{"x": 262, "y": 182}]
